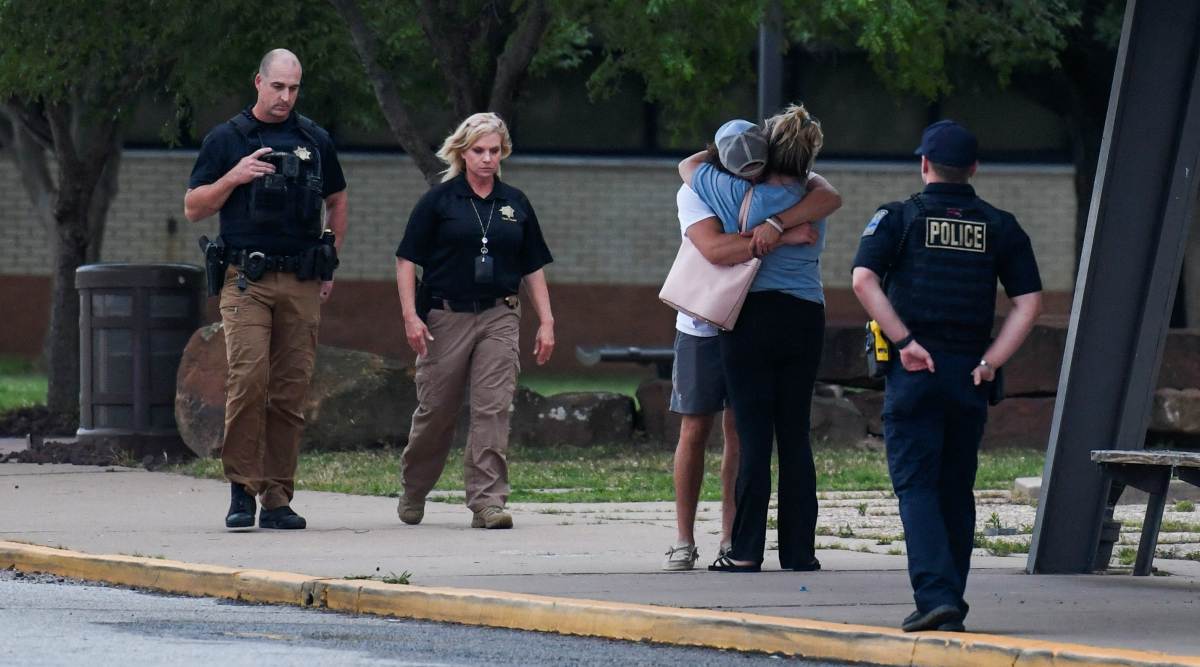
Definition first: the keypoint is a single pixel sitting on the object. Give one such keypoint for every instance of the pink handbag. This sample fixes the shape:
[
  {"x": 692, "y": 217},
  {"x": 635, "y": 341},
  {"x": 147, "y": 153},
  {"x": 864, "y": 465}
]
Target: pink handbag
[{"x": 710, "y": 292}]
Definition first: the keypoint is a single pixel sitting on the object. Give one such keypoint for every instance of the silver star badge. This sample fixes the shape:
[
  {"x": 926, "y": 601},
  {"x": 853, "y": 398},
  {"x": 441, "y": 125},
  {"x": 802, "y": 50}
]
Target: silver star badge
[
  {"x": 302, "y": 153},
  {"x": 508, "y": 213}
]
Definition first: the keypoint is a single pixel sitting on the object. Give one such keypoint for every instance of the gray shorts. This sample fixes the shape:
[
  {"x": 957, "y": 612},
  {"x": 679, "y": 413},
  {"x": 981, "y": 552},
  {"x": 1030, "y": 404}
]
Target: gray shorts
[{"x": 697, "y": 379}]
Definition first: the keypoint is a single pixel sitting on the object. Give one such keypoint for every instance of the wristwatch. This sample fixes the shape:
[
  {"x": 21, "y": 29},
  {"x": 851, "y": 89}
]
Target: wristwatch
[
  {"x": 903, "y": 342},
  {"x": 983, "y": 363}
]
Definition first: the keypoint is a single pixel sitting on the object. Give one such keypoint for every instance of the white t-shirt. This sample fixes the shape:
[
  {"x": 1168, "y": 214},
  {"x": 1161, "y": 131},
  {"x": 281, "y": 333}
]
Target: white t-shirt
[{"x": 692, "y": 209}]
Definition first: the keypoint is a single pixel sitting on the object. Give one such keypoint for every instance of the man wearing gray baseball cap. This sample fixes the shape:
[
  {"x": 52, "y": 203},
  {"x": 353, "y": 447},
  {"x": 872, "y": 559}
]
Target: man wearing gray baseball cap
[
  {"x": 698, "y": 388},
  {"x": 770, "y": 357}
]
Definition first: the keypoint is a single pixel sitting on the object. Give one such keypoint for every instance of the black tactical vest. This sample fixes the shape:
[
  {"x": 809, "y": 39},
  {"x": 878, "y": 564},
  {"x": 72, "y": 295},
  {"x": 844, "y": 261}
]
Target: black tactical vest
[
  {"x": 288, "y": 202},
  {"x": 943, "y": 283}
]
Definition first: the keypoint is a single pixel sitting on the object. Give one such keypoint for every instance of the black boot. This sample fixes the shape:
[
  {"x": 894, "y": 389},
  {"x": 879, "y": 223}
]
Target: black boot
[
  {"x": 282, "y": 518},
  {"x": 241, "y": 508}
]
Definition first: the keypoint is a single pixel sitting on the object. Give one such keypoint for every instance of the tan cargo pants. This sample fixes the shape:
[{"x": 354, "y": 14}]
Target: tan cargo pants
[
  {"x": 479, "y": 350},
  {"x": 271, "y": 345}
]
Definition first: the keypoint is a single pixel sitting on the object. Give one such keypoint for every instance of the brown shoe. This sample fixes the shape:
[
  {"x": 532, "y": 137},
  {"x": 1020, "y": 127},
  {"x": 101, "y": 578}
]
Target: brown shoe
[
  {"x": 411, "y": 511},
  {"x": 492, "y": 516}
]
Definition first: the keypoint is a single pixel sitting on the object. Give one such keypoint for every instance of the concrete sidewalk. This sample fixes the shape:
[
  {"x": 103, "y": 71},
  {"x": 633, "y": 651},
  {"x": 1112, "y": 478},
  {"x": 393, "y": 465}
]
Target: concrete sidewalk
[{"x": 609, "y": 552}]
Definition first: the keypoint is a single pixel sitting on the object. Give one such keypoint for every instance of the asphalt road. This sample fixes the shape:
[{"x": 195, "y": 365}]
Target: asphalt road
[{"x": 47, "y": 620}]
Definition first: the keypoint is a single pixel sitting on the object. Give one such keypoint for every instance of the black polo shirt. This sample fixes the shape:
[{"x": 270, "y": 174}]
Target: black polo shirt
[
  {"x": 224, "y": 147},
  {"x": 444, "y": 237}
]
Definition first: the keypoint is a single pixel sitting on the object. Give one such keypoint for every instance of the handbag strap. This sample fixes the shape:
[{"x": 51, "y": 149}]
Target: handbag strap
[{"x": 744, "y": 213}]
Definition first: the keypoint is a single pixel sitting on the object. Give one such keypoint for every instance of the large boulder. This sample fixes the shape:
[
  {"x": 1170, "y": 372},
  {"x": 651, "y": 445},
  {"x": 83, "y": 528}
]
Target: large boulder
[
  {"x": 842, "y": 358},
  {"x": 660, "y": 424},
  {"x": 523, "y": 422},
  {"x": 870, "y": 405},
  {"x": 1176, "y": 411},
  {"x": 1019, "y": 422},
  {"x": 355, "y": 399},
  {"x": 1034, "y": 369},
  {"x": 581, "y": 419},
  {"x": 1180, "y": 368},
  {"x": 836, "y": 422}
]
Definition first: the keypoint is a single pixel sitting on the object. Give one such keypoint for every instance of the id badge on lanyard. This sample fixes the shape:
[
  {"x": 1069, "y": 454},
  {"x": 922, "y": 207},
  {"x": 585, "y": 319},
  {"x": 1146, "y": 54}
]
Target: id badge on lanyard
[{"x": 484, "y": 270}]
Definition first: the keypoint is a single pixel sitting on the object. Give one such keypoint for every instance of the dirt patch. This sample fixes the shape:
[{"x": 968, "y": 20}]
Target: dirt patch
[
  {"x": 37, "y": 420},
  {"x": 95, "y": 452}
]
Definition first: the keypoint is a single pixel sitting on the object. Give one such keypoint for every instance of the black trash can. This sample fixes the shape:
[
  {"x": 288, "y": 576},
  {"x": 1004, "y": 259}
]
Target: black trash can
[{"x": 134, "y": 321}]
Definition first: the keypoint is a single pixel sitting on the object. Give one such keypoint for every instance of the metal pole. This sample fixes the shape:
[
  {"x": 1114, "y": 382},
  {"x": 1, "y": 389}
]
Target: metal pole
[
  {"x": 1142, "y": 205},
  {"x": 770, "y": 60}
]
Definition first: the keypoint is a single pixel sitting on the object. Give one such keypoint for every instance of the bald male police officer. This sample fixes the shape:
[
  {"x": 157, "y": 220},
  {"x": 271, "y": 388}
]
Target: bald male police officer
[
  {"x": 268, "y": 171},
  {"x": 941, "y": 252}
]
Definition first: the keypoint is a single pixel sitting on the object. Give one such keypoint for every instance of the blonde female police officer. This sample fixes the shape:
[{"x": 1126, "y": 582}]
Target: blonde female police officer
[
  {"x": 268, "y": 170},
  {"x": 942, "y": 251},
  {"x": 477, "y": 240}
]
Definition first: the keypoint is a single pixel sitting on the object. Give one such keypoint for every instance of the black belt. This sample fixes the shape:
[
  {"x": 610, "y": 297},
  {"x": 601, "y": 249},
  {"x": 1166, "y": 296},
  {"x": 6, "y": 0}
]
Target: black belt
[
  {"x": 281, "y": 263},
  {"x": 471, "y": 306}
]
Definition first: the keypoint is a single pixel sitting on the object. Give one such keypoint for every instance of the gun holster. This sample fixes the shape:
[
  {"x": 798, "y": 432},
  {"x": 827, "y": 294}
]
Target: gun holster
[
  {"x": 424, "y": 300},
  {"x": 214, "y": 265},
  {"x": 878, "y": 351},
  {"x": 255, "y": 265},
  {"x": 319, "y": 261}
]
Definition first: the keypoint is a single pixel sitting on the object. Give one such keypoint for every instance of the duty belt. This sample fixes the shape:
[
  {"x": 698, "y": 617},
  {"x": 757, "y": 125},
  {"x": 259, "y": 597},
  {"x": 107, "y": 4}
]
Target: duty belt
[
  {"x": 280, "y": 263},
  {"x": 471, "y": 306}
]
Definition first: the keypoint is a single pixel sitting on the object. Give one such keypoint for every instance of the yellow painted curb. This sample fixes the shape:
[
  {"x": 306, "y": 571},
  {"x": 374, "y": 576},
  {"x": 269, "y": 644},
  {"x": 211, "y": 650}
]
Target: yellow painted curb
[{"x": 612, "y": 620}]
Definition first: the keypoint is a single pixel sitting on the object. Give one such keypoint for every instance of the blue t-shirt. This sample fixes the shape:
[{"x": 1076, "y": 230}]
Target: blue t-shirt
[{"x": 793, "y": 269}]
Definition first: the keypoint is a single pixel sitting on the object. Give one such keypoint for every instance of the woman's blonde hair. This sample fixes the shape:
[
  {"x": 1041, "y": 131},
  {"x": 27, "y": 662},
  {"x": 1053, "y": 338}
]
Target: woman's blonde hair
[
  {"x": 469, "y": 131},
  {"x": 795, "y": 138}
]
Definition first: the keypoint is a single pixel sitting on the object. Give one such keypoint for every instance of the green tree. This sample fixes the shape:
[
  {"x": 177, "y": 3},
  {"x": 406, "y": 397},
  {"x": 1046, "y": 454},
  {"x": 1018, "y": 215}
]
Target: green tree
[
  {"x": 72, "y": 72},
  {"x": 469, "y": 56}
]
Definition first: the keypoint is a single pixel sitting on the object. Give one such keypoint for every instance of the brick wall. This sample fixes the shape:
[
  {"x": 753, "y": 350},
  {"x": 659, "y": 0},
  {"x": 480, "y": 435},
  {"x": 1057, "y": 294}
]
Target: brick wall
[{"x": 607, "y": 221}]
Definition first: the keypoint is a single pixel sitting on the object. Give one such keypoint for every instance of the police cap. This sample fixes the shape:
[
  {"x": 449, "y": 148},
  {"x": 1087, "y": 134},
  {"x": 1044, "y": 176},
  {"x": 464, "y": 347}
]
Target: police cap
[{"x": 946, "y": 142}]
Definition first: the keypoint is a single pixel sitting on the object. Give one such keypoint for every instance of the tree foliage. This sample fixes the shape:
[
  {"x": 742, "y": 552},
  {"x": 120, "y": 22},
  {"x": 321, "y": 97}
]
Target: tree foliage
[{"x": 72, "y": 73}]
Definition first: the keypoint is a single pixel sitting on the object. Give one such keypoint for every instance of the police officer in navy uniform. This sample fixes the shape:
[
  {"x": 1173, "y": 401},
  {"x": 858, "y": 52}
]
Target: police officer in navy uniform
[
  {"x": 269, "y": 172},
  {"x": 941, "y": 252}
]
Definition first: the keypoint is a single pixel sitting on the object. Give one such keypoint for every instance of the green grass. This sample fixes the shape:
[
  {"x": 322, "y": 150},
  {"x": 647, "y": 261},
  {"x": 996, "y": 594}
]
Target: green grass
[
  {"x": 597, "y": 474},
  {"x": 21, "y": 385},
  {"x": 548, "y": 385},
  {"x": 1001, "y": 547},
  {"x": 1126, "y": 555}
]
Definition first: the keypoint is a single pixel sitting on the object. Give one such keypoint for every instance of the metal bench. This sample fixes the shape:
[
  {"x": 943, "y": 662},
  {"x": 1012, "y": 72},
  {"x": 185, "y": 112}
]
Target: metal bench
[
  {"x": 661, "y": 357},
  {"x": 1150, "y": 471}
]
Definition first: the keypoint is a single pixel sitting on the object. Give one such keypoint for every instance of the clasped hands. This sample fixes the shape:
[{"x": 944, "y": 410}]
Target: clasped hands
[{"x": 765, "y": 238}]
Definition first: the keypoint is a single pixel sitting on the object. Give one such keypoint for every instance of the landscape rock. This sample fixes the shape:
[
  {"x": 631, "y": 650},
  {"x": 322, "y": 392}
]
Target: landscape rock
[
  {"x": 583, "y": 419},
  {"x": 1176, "y": 411},
  {"x": 837, "y": 422},
  {"x": 660, "y": 425},
  {"x": 1019, "y": 423},
  {"x": 356, "y": 399}
]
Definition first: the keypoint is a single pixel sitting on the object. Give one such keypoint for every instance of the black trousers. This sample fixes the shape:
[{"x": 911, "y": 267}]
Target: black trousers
[{"x": 770, "y": 361}]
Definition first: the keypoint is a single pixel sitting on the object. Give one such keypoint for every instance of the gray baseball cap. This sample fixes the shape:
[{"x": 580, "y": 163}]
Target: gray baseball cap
[{"x": 742, "y": 148}]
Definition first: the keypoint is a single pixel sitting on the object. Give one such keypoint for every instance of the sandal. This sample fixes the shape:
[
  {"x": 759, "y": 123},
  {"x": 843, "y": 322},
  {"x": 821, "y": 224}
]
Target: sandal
[{"x": 726, "y": 564}]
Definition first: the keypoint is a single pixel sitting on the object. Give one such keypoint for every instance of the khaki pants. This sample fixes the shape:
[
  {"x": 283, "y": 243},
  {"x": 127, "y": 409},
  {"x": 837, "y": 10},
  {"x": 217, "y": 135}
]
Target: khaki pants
[
  {"x": 271, "y": 345},
  {"x": 479, "y": 350}
]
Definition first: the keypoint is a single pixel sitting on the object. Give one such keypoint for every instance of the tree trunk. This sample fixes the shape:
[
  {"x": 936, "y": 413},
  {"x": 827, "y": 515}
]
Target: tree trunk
[
  {"x": 30, "y": 157},
  {"x": 86, "y": 171},
  {"x": 102, "y": 196},
  {"x": 387, "y": 92},
  {"x": 513, "y": 63},
  {"x": 62, "y": 340}
]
